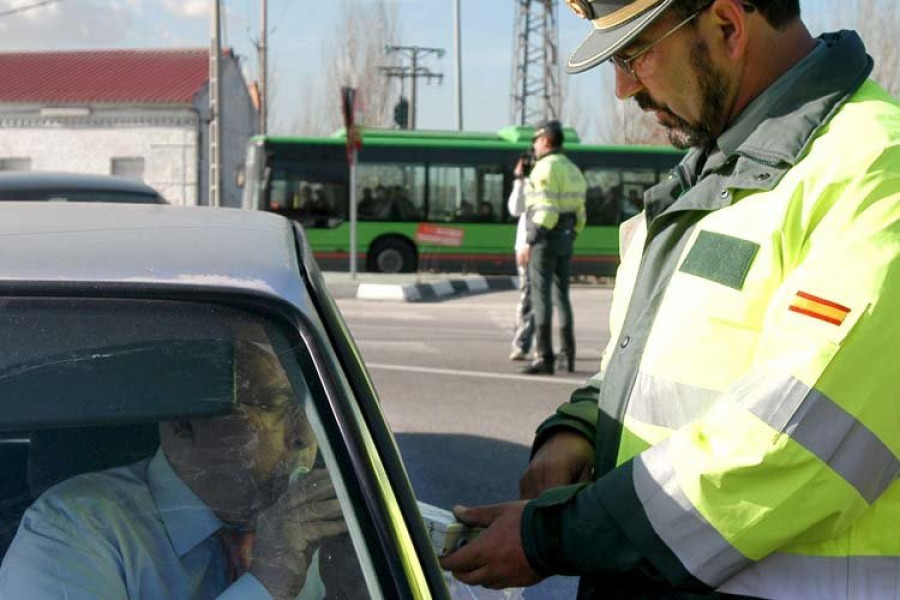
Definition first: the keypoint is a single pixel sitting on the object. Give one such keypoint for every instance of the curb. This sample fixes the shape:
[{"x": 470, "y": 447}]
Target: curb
[{"x": 436, "y": 290}]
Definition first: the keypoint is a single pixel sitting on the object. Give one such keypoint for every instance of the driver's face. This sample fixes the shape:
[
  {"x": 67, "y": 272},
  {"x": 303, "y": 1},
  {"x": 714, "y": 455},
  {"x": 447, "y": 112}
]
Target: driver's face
[{"x": 254, "y": 450}]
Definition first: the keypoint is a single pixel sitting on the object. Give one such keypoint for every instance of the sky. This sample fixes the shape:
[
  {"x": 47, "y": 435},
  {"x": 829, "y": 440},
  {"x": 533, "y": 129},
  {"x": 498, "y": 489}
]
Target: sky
[{"x": 302, "y": 33}]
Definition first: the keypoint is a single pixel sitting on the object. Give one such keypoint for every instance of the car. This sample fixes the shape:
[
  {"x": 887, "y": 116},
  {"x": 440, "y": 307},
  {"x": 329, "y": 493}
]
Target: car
[
  {"x": 75, "y": 187},
  {"x": 122, "y": 324}
]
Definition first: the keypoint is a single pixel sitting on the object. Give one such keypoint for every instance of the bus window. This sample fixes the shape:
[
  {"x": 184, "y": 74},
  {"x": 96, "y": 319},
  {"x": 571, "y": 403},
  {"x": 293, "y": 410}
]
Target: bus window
[
  {"x": 635, "y": 183},
  {"x": 614, "y": 195},
  {"x": 490, "y": 191},
  {"x": 468, "y": 194},
  {"x": 309, "y": 195},
  {"x": 395, "y": 192},
  {"x": 604, "y": 187}
]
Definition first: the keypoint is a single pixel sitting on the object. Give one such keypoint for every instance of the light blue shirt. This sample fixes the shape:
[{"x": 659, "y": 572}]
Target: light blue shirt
[{"x": 126, "y": 533}]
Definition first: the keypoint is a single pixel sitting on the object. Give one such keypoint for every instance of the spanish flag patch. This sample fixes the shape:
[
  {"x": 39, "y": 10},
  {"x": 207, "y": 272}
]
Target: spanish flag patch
[{"x": 819, "y": 308}]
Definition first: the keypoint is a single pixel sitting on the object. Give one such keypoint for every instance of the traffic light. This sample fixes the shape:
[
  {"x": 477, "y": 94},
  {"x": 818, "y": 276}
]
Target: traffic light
[{"x": 401, "y": 113}]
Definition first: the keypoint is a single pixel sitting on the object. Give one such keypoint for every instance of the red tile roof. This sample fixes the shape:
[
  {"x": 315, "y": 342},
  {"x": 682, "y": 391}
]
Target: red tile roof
[{"x": 141, "y": 76}]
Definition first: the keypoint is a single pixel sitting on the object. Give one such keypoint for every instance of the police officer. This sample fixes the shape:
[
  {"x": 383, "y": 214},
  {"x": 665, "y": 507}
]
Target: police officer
[
  {"x": 555, "y": 214},
  {"x": 742, "y": 437}
]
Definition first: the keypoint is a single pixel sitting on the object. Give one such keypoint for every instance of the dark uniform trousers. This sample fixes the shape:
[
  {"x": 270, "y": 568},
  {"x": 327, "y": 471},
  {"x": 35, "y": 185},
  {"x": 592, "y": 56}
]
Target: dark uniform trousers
[{"x": 549, "y": 268}]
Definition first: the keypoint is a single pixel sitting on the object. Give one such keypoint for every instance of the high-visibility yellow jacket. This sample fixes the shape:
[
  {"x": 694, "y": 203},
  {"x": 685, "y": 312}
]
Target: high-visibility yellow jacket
[
  {"x": 555, "y": 186},
  {"x": 748, "y": 430}
]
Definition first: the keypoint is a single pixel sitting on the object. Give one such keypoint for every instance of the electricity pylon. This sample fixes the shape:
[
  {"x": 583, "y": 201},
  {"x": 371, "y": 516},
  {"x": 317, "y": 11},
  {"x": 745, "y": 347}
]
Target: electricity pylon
[{"x": 535, "y": 81}]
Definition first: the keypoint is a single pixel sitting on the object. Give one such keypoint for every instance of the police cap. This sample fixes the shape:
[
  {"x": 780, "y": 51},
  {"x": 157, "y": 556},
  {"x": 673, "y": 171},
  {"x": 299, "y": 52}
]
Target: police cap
[{"x": 615, "y": 22}]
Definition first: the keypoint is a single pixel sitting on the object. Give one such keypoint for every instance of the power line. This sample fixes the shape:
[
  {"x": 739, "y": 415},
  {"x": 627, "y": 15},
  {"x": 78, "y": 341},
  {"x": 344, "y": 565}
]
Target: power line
[{"x": 21, "y": 9}]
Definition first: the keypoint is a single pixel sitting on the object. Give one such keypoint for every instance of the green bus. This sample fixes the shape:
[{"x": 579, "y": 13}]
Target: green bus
[{"x": 436, "y": 200}]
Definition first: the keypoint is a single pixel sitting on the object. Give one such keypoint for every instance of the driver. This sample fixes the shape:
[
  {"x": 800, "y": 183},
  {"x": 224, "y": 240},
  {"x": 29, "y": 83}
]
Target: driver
[{"x": 229, "y": 507}]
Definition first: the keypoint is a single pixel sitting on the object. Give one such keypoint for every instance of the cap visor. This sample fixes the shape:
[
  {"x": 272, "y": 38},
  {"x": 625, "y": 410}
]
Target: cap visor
[{"x": 599, "y": 45}]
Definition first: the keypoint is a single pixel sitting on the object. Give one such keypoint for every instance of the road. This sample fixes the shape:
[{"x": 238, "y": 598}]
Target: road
[{"x": 462, "y": 416}]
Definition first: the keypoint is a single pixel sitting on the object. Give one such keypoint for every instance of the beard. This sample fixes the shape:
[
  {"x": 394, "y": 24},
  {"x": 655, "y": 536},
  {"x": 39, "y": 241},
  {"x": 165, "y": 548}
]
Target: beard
[{"x": 712, "y": 83}]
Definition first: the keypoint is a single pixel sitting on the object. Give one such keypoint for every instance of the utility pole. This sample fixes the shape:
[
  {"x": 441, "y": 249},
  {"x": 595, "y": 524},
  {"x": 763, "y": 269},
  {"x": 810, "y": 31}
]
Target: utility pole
[
  {"x": 457, "y": 51},
  {"x": 263, "y": 51},
  {"x": 413, "y": 72},
  {"x": 535, "y": 82},
  {"x": 215, "y": 109}
]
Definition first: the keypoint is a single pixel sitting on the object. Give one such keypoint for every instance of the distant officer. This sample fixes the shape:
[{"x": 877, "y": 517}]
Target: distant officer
[{"x": 554, "y": 205}]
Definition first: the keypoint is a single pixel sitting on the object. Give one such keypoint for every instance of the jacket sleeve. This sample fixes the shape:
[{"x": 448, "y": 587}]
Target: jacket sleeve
[
  {"x": 578, "y": 414},
  {"x": 796, "y": 451},
  {"x": 515, "y": 204}
]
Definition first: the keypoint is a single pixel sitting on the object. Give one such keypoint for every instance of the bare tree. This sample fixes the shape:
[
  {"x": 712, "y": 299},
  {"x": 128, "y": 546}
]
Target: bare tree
[
  {"x": 573, "y": 112},
  {"x": 356, "y": 53}
]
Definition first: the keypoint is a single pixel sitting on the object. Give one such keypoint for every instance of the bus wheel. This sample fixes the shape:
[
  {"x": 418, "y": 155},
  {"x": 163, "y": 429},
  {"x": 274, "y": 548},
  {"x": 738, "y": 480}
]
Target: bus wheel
[{"x": 392, "y": 255}]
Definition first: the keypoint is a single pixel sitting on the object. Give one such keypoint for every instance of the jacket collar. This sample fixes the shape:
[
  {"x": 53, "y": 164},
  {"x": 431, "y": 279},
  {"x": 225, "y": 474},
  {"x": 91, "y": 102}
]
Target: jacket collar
[
  {"x": 778, "y": 137},
  {"x": 803, "y": 108}
]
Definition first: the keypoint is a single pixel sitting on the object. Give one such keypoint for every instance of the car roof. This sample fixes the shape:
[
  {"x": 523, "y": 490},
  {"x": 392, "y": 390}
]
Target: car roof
[
  {"x": 199, "y": 247},
  {"x": 38, "y": 180}
]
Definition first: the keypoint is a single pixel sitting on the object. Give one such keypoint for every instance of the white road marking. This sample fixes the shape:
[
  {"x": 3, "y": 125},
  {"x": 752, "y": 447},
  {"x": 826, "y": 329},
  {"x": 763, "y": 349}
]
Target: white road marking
[
  {"x": 417, "y": 347},
  {"x": 395, "y": 315},
  {"x": 478, "y": 374}
]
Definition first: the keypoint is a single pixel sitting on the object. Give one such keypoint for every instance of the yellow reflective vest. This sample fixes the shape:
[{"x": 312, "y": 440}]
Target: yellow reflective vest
[
  {"x": 750, "y": 403},
  {"x": 555, "y": 186}
]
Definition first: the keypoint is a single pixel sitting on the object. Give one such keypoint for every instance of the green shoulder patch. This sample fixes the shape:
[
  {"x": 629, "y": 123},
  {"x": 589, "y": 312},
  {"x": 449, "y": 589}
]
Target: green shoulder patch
[{"x": 720, "y": 258}]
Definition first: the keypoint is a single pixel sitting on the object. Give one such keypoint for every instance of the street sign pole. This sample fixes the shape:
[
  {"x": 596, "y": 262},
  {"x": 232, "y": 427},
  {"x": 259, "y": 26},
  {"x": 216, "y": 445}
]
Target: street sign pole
[
  {"x": 349, "y": 106},
  {"x": 353, "y": 215}
]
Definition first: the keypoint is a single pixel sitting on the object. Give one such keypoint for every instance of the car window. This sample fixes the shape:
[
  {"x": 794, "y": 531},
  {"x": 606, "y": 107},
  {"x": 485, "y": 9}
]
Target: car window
[{"x": 168, "y": 449}]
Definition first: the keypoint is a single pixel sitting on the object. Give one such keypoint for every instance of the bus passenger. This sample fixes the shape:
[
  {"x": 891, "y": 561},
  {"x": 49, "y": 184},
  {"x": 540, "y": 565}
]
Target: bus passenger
[
  {"x": 485, "y": 212},
  {"x": 366, "y": 208}
]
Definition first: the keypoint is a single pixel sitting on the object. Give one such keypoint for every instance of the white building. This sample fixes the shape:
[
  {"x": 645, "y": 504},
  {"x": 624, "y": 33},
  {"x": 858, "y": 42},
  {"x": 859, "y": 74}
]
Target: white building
[{"x": 139, "y": 113}]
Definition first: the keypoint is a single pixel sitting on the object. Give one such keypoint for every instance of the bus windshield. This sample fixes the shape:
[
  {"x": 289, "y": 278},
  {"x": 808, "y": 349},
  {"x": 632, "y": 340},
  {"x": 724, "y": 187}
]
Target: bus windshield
[{"x": 437, "y": 200}]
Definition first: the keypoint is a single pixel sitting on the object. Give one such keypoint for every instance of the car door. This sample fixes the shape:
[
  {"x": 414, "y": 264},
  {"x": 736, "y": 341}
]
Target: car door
[{"x": 99, "y": 381}]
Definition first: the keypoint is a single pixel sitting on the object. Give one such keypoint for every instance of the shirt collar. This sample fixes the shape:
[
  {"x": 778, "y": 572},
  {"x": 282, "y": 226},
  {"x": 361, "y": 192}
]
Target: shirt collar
[{"x": 187, "y": 519}]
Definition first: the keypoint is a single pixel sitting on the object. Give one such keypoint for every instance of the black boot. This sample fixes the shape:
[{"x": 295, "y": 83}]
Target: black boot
[
  {"x": 567, "y": 351},
  {"x": 544, "y": 363}
]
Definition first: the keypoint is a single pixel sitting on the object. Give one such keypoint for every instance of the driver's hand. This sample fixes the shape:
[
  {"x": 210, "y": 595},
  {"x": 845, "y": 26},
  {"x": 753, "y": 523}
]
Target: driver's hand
[{"x": 289, "y": 531}]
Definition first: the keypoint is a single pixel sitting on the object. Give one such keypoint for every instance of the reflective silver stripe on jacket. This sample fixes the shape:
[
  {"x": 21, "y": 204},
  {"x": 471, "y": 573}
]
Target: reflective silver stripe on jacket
[
  {"x": 666, "y": 403},
  {"x": 702, "y": 550},
  {"x": 794, "y": 577},
  {"x": 835, "y": 436},
  {"x": 789, "y": 406}
]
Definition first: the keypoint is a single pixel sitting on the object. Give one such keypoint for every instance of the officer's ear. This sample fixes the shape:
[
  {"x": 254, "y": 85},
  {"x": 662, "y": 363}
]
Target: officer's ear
[{"x": 730, "y": 27}]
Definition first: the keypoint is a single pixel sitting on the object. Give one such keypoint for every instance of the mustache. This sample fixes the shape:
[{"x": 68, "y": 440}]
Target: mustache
[{"x": 644, "y": 100}]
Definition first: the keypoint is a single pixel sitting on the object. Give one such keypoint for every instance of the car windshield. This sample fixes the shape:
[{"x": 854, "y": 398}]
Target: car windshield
[{"x": 165, "y": 449}]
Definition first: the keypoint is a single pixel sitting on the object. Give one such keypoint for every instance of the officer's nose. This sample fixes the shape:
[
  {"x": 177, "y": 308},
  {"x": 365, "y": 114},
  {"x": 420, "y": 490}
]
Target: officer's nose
[{"x": 626, "y": 85}]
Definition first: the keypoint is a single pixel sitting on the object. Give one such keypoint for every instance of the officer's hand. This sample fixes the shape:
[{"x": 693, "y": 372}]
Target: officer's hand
[
  {"x": 519, "y": 171},
  {"x": 564, "y": 458},
  {"x": 523, "y": 256},
  {"x": 289, "y": 531},
  {"x": 494, "y": 559}
]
